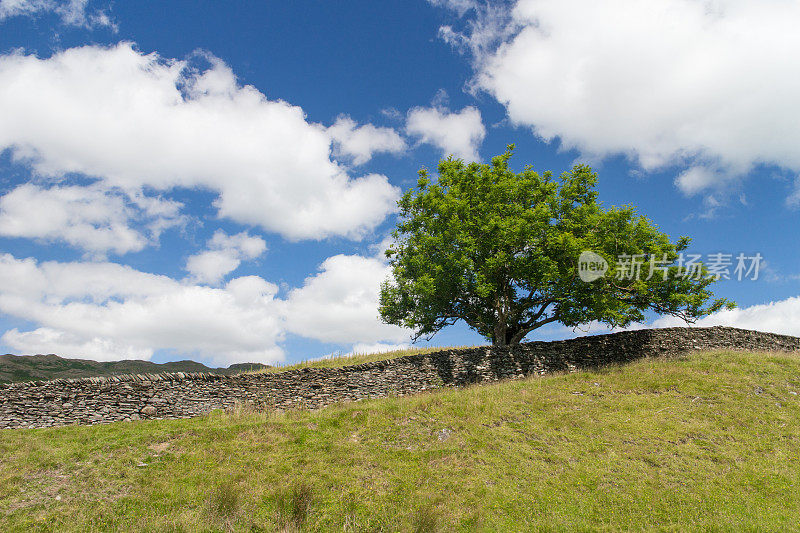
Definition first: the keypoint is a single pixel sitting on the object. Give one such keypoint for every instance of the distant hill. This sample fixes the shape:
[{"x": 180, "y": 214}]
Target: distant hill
[{"x": 45, "y": 367}]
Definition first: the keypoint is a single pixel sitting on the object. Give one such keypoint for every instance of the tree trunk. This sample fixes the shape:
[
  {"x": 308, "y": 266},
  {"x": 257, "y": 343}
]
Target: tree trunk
[
  {"x": 503, "y": 335},
  {"x": 500, "y": 337}
]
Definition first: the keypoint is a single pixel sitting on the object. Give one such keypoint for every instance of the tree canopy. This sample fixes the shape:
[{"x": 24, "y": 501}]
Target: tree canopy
[{"x": 500, "y": 251}]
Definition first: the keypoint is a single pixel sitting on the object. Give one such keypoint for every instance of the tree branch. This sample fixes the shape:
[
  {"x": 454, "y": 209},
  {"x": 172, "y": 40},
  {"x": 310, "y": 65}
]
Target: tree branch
[{"x": 524, "y": 331}]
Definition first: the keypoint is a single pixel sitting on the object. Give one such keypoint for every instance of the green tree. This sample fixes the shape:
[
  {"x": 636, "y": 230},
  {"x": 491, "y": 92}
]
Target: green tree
[{"x": 499, "y": 250}]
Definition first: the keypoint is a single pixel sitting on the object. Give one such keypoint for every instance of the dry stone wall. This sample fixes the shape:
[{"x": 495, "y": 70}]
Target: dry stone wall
[{"x": 184, "y": 395}]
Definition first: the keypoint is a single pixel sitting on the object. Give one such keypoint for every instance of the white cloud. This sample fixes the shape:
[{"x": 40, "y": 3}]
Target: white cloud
[
  {"x": 137, "y": 121},
  {"x": 224, "y": 255},
  {"x": 47, "y": 340},
  {"x": 697, "y": 178},
  {"x": 212, "y": 265},
  {"x": 90, "y": 218},
  {"x": 246, "y": 245},
  {"x": 11, "y": 8},
  {"x": 459, "y": 134},
  {"x": 489, "y": 26},
  {"x": 459, "y": 6},
  {"x": 71, "y": 12},
  {"x": 378, "y": 347},
  {"x": 112, "y": 311},
  {"x": 364, "y": 348},
  {"x": 360, "y": 142},
  {"x": 793, "y": 200},
  {"x": 107, "y": 311},
  {"x": 340, "y": 303},
  {"x": 781, "y": 317},
  {"x": 710, "y": 84}
]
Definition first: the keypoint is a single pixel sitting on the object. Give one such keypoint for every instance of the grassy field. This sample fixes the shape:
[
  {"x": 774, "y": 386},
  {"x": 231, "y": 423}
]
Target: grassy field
[{"x": 706, "y": 442}]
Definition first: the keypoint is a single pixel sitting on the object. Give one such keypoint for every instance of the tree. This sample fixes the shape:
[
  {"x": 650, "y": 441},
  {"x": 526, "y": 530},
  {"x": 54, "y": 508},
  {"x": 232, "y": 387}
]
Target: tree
[{"x": 500, "y": 251}]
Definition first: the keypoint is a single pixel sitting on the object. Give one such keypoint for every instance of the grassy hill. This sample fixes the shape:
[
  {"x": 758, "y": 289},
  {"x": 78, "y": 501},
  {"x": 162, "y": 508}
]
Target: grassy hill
[
  {"x": 45, "y": 367},
  {"x": 710, "y": 441}
]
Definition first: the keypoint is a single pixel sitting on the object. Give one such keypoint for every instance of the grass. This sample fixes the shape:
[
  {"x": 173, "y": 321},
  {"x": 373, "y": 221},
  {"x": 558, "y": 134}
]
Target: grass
[
  {"x": 353, "y": 359},
  {"x": 293, "y": 505},
  {"x": 710, "y": 441}
]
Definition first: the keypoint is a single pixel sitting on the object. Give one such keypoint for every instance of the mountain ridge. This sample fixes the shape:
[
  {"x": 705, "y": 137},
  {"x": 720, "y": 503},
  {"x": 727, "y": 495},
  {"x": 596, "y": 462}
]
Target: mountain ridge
[{"x": 43, "y": 367}]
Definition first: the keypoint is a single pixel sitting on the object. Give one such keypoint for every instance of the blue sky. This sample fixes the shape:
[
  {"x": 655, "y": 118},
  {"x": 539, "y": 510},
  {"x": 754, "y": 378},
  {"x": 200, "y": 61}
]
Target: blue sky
[{"x": 216, "y": 181}]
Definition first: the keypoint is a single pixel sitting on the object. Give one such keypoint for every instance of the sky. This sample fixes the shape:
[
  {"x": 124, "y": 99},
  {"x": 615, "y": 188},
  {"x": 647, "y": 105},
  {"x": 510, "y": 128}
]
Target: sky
[{"x": 218, "y": 180}]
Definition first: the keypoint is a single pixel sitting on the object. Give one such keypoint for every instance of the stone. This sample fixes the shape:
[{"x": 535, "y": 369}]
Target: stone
[
  {"x": 444, "y": 434},
  {"x": 149, "y": 410}
]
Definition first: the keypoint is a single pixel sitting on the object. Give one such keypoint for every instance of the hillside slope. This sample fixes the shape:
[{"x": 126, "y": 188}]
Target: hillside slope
[
  {"x": 707, "y": 441},
  {"x": 15, "y": 368}
]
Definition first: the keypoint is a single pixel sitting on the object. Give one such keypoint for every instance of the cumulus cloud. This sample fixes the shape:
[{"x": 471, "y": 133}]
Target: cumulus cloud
[
  {"x": 91, "y": 218},
  {"x": 224, "y": 255},
  {"x": 698, "y": 178},
  {"x": 47, "y": 340},
  {"x": 711, "y": 85},
  {"x": 360, "y": 142},
  {"x": 71, "y": 13},
  {"x": 138, "y": 121},
  {"x": 110, "y": 311},
  {"x": 340, "y": 303},
  {"x": 782, "y": 317},
  {"x": 459, "y": 134},
  {"x": 107, "y": 311}
]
